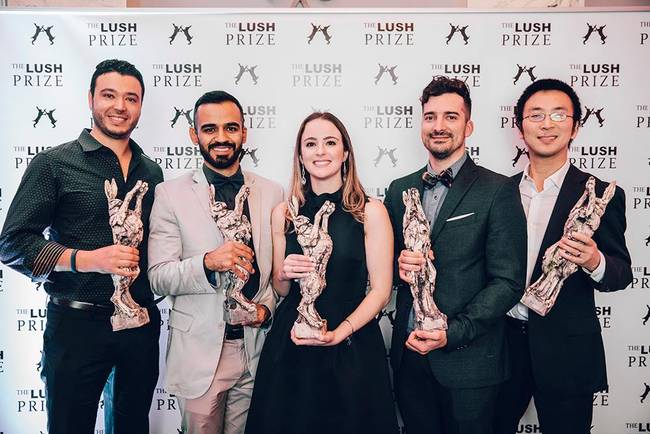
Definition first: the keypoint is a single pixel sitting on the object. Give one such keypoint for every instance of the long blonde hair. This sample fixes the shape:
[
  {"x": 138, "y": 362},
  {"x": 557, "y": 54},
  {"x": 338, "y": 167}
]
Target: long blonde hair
[{"x": 354, "y": 196}]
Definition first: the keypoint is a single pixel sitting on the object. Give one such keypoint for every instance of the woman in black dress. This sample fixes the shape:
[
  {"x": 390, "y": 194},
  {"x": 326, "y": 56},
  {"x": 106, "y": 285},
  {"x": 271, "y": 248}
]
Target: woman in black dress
[{"x": 337, "y": 383}]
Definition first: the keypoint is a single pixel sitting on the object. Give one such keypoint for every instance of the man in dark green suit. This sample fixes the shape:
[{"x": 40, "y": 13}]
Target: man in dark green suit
[{"x": 446, "y": 380}]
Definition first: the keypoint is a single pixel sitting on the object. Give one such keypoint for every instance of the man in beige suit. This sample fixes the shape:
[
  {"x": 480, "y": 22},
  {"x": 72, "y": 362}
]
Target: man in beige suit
[{"x": 210, "y": 364}]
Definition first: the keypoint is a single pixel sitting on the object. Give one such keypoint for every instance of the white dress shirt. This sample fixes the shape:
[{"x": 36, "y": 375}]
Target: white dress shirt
[{"x": 538, "y": 206}]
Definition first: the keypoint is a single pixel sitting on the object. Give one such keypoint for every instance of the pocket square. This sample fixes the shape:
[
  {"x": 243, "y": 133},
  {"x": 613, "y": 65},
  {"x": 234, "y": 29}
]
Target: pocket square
[{"x": 458, "y": 217}]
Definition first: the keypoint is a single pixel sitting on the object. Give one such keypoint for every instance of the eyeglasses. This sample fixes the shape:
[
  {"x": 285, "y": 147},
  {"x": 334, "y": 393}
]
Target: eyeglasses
[{"x": 555, "y": 117}]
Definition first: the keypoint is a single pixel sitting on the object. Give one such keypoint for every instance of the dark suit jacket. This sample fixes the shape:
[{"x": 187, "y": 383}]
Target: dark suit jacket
[
  {"x": 481, "y": 269},
  {"x": 566, "y": 346}
]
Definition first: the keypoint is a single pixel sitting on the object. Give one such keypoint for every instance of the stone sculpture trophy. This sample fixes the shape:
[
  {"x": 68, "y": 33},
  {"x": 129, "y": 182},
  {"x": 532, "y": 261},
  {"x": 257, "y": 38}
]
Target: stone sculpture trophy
[
  {"x": 317, "y": 244},
  {"x": 127, "y": 228},
  {"x": 235, "y": 226},
  {"x": 417, "y": 238},
  {"x": 584, "y": 218}
]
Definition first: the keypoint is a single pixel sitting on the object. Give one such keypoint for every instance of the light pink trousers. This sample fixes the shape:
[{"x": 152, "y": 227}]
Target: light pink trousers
[{"x": 224, "y": 407}]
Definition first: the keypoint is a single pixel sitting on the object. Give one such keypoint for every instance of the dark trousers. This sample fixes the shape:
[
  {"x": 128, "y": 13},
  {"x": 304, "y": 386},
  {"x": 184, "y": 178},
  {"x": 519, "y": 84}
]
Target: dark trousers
[
  {"x": 107, "y": 396},
  {"x": 79, "y": 351},
  {"x": 428, "y": 407},
  {"x": 557, "y": 413}
]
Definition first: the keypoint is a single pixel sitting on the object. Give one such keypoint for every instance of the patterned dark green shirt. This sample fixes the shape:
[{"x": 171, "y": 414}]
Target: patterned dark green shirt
[{"x": 61, "y": 203}]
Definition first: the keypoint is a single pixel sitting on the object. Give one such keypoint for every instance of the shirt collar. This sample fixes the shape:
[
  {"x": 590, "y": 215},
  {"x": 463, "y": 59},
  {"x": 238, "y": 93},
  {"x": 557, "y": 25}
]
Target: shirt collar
[
  {"x": 89, "y": 143},
  {"x": 455, "y": 167},
  {"x": 556, "y": 179},
  {"x": 215, "y": 177}
]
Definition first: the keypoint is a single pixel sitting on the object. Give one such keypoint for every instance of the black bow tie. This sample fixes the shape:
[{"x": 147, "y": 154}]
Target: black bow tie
[
  {"x": 234, "y": 182},
  {"x": 446, "y": 178}
]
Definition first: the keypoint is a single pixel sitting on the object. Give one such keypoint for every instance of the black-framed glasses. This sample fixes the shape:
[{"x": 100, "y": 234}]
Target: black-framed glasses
[{"x": 555, "y": 117}]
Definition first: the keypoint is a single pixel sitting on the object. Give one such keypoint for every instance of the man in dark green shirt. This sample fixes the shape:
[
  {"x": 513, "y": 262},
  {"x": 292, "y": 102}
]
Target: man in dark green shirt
[{"x": 62, "y": 195}]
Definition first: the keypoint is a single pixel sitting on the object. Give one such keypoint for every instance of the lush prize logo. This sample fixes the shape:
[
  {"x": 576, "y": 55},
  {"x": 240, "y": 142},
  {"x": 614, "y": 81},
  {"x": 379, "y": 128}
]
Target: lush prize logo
[
  {"x": 180, "y": 29},
  {"x": 317, "y": 75},
  {"x": 37, "y": 74},
  {"x": 43, "y": 30},
  {"x": 595, "y": 74},
  {"x": 389, "y": 34},
  {"x": 249, "y": 71},
  {"x": 386, "y": 152},
  {"x": 181, "y": 113},
  {"x": 457, "y": 30},
  {"x": 317, "y": 29},
  {"x": 112, "y": 34},
  {"x": 469, "y": 73},
  {"x": 526, "y": 34},
  {"x": 177, "y": 74},
  {"x": 251, "y": 33},
  {"x": 524, "y": 69},
  {"x": 178, "y": 157},
  {"x": 595, "y": 113},
  {"x": 388, "y": 116},
  {"x": 44, "y": 112},
  {"x": 595, "y": 29},
  {"x": 386, "y": 69}
]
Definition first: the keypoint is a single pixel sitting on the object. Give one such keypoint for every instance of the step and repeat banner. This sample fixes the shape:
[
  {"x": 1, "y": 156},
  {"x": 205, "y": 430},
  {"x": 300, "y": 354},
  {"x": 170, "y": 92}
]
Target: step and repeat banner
[{"x": 367, "y": 67}]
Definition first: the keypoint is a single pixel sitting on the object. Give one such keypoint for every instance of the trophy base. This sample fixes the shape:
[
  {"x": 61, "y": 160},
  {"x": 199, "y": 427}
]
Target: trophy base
[
  {"x": 120, "y": 321},
  {"x": 303, "y": 330},
  {"x": 431, "y": 324},
  {"x": 534, "y": 303},
  {"x": 234, "y": 314}
]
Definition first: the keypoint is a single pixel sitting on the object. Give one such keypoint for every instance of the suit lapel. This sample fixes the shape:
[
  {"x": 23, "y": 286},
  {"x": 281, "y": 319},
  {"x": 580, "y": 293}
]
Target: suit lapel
[
  {"x": 200, "y": 188},
  {"x": 412, "y": 181},
  {"x": 419, "y": 183},
  {"x": 570, "y": 191},
  {"x": 255, "y": 208},
  {"x": 462, "y": 183}
]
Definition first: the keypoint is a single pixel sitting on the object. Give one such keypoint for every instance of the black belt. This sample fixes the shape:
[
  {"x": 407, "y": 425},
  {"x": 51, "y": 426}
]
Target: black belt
[
  {"x": 83, "y": 305},
  {"x": 517, "y": 324},
  {"x": 234, "y": 332}
]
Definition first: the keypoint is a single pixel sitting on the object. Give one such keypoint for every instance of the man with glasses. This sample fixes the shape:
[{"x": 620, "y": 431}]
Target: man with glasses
[
  {"x": 446, "y": 381},
  {"x": 559, "y": 359}
]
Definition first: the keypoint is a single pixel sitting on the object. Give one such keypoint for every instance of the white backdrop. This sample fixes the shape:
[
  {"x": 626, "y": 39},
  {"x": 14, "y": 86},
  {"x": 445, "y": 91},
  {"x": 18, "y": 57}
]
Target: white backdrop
[{"x": 266, "y": 59}]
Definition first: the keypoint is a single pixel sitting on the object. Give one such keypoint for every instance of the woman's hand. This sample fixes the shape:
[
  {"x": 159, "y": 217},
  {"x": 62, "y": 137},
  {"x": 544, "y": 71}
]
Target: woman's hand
[
  {"x": 296, "y": 267},
  {"x": 327, "y": 339}
]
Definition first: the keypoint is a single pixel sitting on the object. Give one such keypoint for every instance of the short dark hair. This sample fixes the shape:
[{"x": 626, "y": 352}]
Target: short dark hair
[
  {"x": 545, "y": 84},
  {"x": 441, "y": 84},
  {"x": 122, "y": 67},
  {"x": 217, "y": 97}
]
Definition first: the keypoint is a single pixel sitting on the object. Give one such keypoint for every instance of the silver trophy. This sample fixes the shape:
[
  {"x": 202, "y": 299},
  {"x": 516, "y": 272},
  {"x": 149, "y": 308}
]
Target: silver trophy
[
  {"x": 317, "y": 244},
  {"x": 235, "y": 226},
  {"x": 417, "y": 238},
  {"x": 584, "y": 218},
  {"x": 128, "y": 230}
]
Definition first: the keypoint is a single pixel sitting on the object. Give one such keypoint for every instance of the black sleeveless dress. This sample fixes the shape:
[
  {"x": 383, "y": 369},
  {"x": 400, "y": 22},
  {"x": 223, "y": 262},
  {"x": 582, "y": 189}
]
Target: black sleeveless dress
[{"x": 338, "y": 389}]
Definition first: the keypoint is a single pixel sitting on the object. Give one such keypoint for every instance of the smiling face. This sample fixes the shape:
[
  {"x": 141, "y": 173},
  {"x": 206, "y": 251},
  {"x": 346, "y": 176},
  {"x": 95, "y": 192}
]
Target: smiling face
[
  {"x": 219, "y": 133},
  {"x": 445, "y": 125},
  {"x": 116, "y": 105},
  {"x": 548, "y": 139},
  {"x": 321, "y": 150}
]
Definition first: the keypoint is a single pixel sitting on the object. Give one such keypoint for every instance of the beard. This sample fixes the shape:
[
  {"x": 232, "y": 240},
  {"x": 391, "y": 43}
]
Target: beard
[
  {"x": 98, "y": 120},
  {"x": 443, "y": 153},
  {"x": 221, "y": 162}
]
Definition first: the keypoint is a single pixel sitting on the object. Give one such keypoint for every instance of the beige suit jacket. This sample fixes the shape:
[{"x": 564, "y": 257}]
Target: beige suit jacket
[{"x": 181, "y": 232}]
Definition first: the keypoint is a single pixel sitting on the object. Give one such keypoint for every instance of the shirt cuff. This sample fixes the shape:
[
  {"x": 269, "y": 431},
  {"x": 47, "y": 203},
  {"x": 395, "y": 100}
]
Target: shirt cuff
[
  {"x": 209, "y": 274},
  {"x": 269, "y": 320},
  {"x": 598, "y": 274},
  {"x": 46, "y": 260}
]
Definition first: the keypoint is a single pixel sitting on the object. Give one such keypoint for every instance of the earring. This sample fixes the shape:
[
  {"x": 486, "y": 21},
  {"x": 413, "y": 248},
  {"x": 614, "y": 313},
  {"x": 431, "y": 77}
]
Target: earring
[
  {"x": 345, "y": 170},
  {"x": 303, "y": 179}
]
